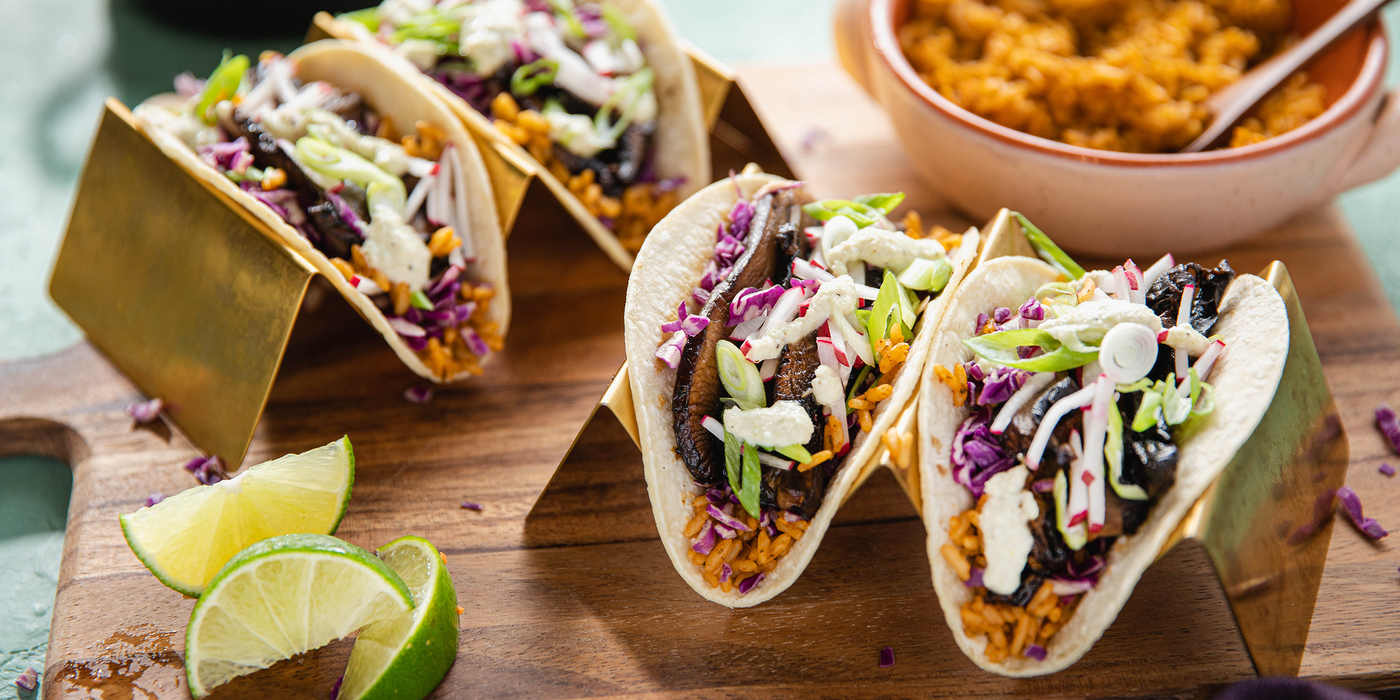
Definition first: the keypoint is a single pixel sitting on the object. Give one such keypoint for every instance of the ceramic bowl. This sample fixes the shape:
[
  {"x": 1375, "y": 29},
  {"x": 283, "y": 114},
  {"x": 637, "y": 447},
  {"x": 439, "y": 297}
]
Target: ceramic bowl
[{"x": 1125, "y": 204}]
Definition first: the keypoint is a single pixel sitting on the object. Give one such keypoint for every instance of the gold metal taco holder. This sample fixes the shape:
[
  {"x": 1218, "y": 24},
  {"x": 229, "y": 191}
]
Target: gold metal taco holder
[
  {"x": 737, "y": 137},
  {"x": 1264, "y": 523},
  {"x": 194, "y": 298}
]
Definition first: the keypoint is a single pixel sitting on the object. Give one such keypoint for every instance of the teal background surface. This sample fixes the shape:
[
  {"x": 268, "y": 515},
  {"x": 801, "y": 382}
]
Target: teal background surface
[{"x": 62, "y": 58}]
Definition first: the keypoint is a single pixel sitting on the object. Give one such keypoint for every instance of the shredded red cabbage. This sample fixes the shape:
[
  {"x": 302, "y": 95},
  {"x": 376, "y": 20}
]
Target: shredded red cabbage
[
  {"x": 335, "y": 689},
  {"x": 751, "y": 302},
  {"x": 207, "y": 471},
  {"x": 1352, "y": 504},
  {"x": 686, "y": 322},
  {"x": 418, "y": 394},
  {"x": 154, "y": 498},
  {"x": 977, "y": 453},
  {"x": 706, "y": 540},
  {"x": 726, "y": 519},
  {"x": 1001, "y": 315},
  {"x": 1386, "y": 469},
  {"x": 998, "y": 386},
  {"x": 724, "y": 573},
  {"x": 468, "y": 505},
  {"x": 1389, "y": 424},
  {"x": 748, "y": 584},
  {"x": 1033, "y": 310},
  {"x": 975, "y": 580},
  {"x": 1035, "y": 651},
  {"x": 887, "y": 657},
  {"x": 187, "y": 85},
  {"x": 220, "y": 155},
  {"x": 146, "y": 411},
  {"x": 670, "y": 351},
  {"x": 982, "y": 320},
  {"x": 27, "y": 681}
]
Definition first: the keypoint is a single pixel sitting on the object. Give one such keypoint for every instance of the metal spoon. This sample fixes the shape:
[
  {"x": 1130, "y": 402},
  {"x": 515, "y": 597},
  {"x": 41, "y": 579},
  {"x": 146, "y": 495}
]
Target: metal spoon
[{"x": 1231, "y": 102}]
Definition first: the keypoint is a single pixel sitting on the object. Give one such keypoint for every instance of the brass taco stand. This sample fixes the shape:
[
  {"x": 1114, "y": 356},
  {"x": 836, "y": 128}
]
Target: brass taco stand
[
  {"x": 737, "y": 137},
  {"x": 195, "y": 299},
  {"x": 1264, "y": 524}
]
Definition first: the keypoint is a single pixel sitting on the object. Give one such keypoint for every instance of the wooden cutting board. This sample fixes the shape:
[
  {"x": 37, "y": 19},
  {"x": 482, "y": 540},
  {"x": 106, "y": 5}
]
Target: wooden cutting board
[{"x": 580, "y": 600}]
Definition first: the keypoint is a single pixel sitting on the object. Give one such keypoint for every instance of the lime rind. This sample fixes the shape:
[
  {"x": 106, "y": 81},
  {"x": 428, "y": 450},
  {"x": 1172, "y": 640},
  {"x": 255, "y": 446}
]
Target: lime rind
[
  {"x": 245, "y": 621},
  {"x": 406, "y": 658},
  {"x": 184, "y": 540}
]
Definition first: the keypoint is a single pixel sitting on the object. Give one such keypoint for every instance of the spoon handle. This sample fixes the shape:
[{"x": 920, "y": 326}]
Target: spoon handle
[{"x": 1232, "y": 101}]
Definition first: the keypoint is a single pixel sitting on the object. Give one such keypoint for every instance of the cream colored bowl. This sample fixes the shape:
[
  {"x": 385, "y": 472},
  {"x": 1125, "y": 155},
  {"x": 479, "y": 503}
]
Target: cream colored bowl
[{"x": 1124, "y": 204}]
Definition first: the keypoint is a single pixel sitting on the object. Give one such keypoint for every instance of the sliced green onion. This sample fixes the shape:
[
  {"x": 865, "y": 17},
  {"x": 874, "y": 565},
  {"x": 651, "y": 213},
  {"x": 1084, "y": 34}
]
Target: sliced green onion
[
  {"x": 1075, "y": 537},
  {"x": 883, "y": 202},
  {"x": 222, "y": 85},
  {"x": 1001, "y": 347},
  {"x": 753, "y": 477},
  {"x": 795, "y": 452},
  {"x": 630, "y": 93},
  {"x": 621, "y": 28},
  {"x": 419, "y": 300},
  {"x": 1146, "y": 416},
  {"x": 369, "y": 17},
  {"x": 740, "y": 377},
  {"x": 733, "y": 459},
  {"x": 1113, "y": 455},
  {"x": 530, "y": 77},
  {"x": 864, "y": 372},
  {"x": 891, "y": 302},
  {"x": 341, "y": 164},
  {"x": 927, "y": 275},
  {"x": 1048, "y": 251},
  {"x": 866, "y": 210}
]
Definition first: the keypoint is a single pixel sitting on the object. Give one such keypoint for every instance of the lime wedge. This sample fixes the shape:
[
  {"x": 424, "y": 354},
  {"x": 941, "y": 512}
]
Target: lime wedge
[
  {"x": 284, "y": 596},
  {"x": 406, "y": 656},
  {"x": 185, "y": 539}
]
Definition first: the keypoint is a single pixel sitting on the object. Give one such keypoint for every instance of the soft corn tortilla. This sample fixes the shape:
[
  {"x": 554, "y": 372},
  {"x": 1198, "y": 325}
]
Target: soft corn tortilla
[
  {"x": 1254, "y": 324},
  {"x": 668, "y": 268},
  {"x": 353, "y": 68},
  {"x": 681, "y": 141}
]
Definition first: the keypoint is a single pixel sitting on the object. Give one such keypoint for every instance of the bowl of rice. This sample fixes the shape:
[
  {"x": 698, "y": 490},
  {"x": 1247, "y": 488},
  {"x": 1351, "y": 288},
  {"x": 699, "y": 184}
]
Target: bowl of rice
[{"x": 1073, "y": 112}]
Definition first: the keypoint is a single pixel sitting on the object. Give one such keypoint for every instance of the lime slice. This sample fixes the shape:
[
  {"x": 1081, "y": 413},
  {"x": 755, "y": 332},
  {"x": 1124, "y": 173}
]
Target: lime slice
[
  {"x": 281, "y": 597},
  {"x": 406, "y": 656},
  {"x": 185, "y": 539}
]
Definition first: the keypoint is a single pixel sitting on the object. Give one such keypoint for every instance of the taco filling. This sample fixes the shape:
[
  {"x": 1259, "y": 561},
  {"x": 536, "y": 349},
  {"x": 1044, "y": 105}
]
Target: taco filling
[
  {"x": 390, "y": 213},
  {"x": 566, "y": 81},
  {"x": 785, "y": 350},
  {"x": 1077, "y": 400}
]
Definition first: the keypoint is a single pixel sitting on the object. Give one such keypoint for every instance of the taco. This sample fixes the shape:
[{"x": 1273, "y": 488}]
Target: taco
[
  {"x": 771, "y": 342},
  {"x": 402, "y": 223},
  {"x": 1068, "y": 420},
  {"x": 599, "y": 94}
]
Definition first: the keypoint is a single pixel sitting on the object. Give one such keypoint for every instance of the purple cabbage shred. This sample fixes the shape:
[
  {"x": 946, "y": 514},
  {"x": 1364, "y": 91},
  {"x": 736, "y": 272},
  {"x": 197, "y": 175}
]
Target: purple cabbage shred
[
  {"x": 418, "y": 394},
  {"x": 1386, "y": 469},
  {"x": 474, "y": 507},
  {"x": 1033, "y": 310},
  {"x": 1001, "y": 315},
  {"x": 1352, "y": 504},
  {"x": 975, "y": 579},
  {"x": 1035, "y": 651},
  {"x": 1389, "y": 424},
  {"x": 27, "y": 681},
  {"x": 146, "y": 411},
  {"x": 750, "y": 583},
  {"x": 887, "y": 657},
  {"x": 977, "y": 453},
  {"x": 207, "y": 471},
  {"x": 154, "y": 498},
  {"x": 335, "y": 689},
  {"x": 998, "y": 386}
]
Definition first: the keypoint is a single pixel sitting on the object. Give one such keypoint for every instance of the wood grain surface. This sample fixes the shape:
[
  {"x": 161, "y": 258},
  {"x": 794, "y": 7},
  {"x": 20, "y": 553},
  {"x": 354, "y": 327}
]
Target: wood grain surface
[{"x": 580, "y": 600}]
